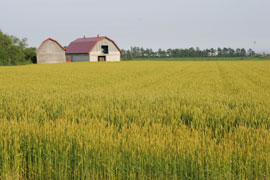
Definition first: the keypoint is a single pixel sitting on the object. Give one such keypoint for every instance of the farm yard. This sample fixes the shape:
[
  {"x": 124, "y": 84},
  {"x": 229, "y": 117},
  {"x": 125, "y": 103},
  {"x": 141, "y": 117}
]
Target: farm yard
[{"x": 136, "y": 120}]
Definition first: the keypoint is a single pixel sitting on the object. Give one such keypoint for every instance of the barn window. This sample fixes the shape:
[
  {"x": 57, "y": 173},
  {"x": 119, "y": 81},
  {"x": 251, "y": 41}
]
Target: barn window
[{"x": 105, "y": 49}]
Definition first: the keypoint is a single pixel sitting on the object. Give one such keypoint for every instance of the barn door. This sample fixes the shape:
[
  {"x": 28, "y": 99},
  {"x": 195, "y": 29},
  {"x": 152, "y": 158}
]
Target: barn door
[{"x": 101, "y": 58}]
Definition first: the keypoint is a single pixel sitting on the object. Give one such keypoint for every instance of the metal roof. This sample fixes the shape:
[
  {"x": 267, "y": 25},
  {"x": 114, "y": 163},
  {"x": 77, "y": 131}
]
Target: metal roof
[
  {"x": 85, "y": 45},
  {"x": 50, "y": 39}
]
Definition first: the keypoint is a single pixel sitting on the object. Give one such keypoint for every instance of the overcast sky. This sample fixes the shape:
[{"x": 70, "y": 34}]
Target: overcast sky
[{"x": 148, "y": 23}]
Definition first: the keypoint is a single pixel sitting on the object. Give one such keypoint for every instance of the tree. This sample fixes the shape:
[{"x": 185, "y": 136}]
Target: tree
[
  {"x": 238, "y": 52},
  {"x": 136, "y": 52},
  {"x": 231, "y": 52},
  {"x": 251, "y": 52},
  {"x": 30, "y": 55},
  {"x": 243, "y": 52},
  {"x": 142, "y": 51},
  {"x": 10, "y": 53},
  {"x": 169, "y": 52},
  {"x": 14, "y": 51},
  {"x": 220, "y": 52}
]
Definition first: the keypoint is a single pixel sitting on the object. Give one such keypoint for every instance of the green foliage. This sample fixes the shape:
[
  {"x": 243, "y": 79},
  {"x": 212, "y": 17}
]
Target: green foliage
[
  {"x": 136, "y": 120},
  {"x": 139, "y": 52},
  {"x": 14, "y": 51},
  {"x": 30, "y": 55},
  {"x": 256, "y": 58}
]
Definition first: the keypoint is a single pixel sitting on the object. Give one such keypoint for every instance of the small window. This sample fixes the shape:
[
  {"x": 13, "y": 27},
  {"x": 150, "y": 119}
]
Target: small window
[{"x": 105, "y": 49}]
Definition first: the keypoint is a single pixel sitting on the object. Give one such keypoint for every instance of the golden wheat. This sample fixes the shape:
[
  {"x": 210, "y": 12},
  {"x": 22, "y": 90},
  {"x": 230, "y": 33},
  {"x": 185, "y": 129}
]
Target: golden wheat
[{"x": 135, "y": 120}]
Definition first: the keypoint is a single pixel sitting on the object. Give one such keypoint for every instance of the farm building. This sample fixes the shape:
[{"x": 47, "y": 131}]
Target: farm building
[
  {"x": 50, "y": 51},
  {"x": 93, "y": 49}
]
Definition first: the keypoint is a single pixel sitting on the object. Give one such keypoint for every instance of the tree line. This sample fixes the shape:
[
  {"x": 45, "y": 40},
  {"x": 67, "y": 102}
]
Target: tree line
[
  {"x": 15, "y": 51},
  {"x": 140, "y": 52}
]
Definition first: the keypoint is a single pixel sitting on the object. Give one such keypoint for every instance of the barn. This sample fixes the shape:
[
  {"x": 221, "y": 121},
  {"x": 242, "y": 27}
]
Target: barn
[
  {"x": 93, "y": 49},
  {"x": 50, "y": 51}
]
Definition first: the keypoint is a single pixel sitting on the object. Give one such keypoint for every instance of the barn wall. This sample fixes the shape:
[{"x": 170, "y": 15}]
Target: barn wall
[
  {"x": 114, "y": 54},
  {"x": 78, "y": 57},
  {"x": 109, "y": 57},
  {"x": 50, "y": 52},
  {"x": 112, "y": 47}
]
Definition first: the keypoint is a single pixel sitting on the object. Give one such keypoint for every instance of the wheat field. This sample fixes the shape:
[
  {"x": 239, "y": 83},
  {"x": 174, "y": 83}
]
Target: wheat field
[{"x": 136, "y": 120}]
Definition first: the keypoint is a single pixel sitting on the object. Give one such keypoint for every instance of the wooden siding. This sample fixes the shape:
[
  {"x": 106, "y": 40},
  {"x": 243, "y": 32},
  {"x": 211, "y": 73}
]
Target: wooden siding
[
  {"x": 113, "y": 55},
  {"x": 50, "y": 52}
]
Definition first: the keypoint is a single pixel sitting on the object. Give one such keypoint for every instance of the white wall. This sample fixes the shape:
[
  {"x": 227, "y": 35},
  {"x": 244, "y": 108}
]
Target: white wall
[
  {"x": 114, "y": 54},
  {"x": 50, "y": 52}
]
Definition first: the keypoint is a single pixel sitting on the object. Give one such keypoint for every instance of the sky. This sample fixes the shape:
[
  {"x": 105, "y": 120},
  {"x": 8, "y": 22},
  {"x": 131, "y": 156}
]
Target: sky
[{"x": 147, "y": 23}]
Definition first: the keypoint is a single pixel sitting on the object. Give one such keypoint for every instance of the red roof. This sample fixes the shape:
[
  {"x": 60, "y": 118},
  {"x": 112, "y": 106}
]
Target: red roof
[
  {"x": 54, "y": 41},
  {"x": 85, "y": 45}
]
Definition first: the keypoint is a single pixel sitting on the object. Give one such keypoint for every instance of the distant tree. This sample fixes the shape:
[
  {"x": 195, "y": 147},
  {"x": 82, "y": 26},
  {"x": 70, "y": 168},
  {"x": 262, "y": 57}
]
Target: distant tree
[
  {"x": 30, "y": 55},
  {"x": 14, "y": 51},
  {"x": 231, "y": 52},
  {"x": 11, "y": 53},
  {"x": 243, "y": 52},
  {"x": 225, "y": 52},
  {"x": 138, "y": 52},
  {"x": 191, "y": 52},
  {"x": 198, "y": 52},
  {"x": 142, "y": 52},
  {"x": 160, "y": 52},
  {"x": 220, "y": 52},
  {"x": 152, "y": 53},
  {"x": 169, "y": 52},
  {"x": 251, "y": 52},
  {"x": 238, "y": 52}
]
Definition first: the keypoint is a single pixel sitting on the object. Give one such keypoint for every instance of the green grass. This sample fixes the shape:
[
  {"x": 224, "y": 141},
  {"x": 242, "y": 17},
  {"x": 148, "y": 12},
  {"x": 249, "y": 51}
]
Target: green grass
[{"x": 136, "y": 120}]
